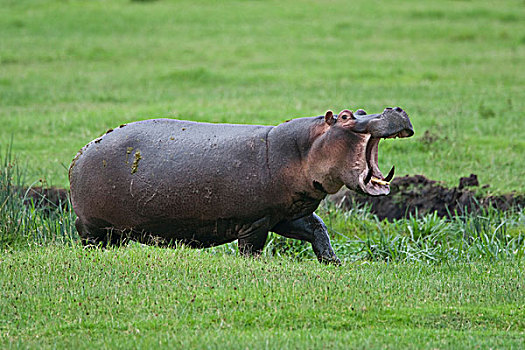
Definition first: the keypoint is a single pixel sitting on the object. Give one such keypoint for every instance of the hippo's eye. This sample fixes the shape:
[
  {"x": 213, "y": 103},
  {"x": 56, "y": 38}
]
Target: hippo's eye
[{"x": 344, "y": 117}]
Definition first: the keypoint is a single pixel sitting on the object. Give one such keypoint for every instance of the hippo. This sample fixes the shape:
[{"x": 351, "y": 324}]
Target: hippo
[{"x": 167, "y": 181}]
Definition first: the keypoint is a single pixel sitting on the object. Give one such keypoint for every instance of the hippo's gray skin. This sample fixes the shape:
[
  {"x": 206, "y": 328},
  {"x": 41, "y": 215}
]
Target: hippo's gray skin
[{"x": 166, "y": 180}]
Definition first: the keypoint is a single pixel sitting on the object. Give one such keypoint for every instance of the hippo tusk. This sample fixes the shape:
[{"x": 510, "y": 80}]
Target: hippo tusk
[
  {"x": 379, "y": 181},
  {"x": 390, "y": 175}
]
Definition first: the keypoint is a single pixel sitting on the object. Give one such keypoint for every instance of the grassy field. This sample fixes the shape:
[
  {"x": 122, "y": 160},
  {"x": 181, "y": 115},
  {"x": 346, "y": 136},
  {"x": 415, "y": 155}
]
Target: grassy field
[
  {"x": 150, "y": 297},
  {"x": 71, "y": 70}
]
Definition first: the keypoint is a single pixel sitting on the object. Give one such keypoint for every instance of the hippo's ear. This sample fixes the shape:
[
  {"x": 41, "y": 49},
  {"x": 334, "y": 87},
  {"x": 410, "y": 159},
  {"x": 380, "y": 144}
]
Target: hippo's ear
[
  {"x": 345, "y": 114},
  {"x": 329, "y": 117}
]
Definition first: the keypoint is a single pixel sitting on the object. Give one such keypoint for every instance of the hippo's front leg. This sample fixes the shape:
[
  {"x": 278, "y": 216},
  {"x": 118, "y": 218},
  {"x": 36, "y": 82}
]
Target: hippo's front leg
[{"x": 311, "y": 229}]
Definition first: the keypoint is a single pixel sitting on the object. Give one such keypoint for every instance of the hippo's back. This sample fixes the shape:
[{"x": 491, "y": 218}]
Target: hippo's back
[{"x": 164, "y": 170}]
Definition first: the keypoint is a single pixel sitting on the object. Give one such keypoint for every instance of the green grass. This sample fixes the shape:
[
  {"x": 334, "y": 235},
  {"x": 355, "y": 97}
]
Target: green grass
[
  {"x": 71, "y": 70},
  {"x": 147, "y": 297}
]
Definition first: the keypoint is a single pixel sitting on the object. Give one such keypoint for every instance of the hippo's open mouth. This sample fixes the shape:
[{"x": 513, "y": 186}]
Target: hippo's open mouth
[{"x": 372, "y": 181}]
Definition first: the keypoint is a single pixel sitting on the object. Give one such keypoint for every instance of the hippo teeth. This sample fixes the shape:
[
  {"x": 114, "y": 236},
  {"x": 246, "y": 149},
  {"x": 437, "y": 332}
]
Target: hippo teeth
[
  {"x": 390, "y": 175},
  {"x": 379, "y": 181},
  {"x": 384, "y": 182}
]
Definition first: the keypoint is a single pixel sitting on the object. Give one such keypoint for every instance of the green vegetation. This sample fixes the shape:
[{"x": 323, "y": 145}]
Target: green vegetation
[
  {"x": 71, "y": 70},
  {"x": 147, "y": 297}
]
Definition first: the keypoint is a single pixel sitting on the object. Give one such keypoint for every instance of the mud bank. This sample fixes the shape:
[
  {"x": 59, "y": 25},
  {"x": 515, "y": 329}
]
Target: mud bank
[{"x": 417, "y": 194}]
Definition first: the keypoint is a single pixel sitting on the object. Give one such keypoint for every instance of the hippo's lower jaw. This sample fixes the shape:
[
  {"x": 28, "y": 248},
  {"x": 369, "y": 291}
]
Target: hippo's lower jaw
[{"x": 371, "y": 181}]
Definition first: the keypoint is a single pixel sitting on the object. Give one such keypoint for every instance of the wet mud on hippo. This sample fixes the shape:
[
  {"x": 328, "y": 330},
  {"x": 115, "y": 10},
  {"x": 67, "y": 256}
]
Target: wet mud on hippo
[{"x": 164, "y": 181}]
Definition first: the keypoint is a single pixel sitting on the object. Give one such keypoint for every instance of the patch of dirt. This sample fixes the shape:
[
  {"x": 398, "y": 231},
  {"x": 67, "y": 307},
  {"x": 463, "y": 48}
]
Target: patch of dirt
[
  {"x": 428, "y": 138},
  {"x": 417, "y": 194}
]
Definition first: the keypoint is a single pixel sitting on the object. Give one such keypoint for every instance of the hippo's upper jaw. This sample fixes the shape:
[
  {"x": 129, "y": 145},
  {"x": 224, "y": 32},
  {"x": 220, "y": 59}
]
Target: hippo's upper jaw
[{"x": 392, "y": 123}]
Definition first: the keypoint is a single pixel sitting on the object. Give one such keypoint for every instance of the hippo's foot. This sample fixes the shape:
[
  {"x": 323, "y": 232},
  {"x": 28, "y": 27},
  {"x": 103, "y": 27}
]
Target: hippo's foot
[
  {"x": 328, "y": 258},
  {"x": 92, "y": 237},
  {"x": 322, "y": 247},
  {"x": 312, "y": 229}
]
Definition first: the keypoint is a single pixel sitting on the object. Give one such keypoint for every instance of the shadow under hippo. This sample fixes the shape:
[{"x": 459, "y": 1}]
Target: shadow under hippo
[{"x": 166, "y": 181}]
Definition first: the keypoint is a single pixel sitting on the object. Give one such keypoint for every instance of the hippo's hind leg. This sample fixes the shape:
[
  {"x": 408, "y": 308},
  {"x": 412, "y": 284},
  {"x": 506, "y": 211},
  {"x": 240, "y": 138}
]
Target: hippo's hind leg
[
  {"x": 251, "y": 238},
  {"x": 311, "y": 229},
  {"x": 97, "y": 235}
]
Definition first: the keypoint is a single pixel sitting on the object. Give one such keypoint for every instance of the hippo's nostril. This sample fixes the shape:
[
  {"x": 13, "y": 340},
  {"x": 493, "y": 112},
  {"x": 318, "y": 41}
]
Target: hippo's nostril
[
  {"x": 406, "y": 133},
  {"x": 398, "y": 109}
]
